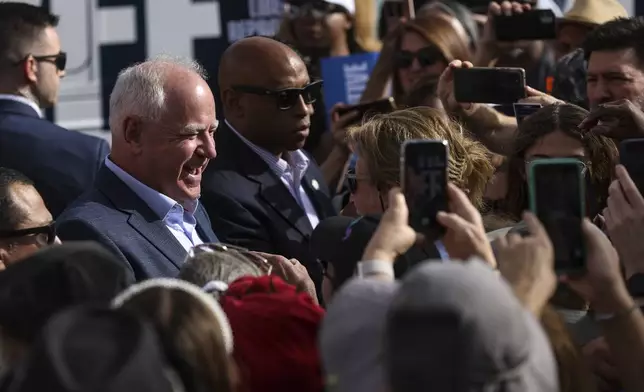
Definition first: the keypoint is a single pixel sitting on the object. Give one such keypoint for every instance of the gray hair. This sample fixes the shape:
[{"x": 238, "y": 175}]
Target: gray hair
[
  {"x": 224, "y": 267},
  {"x": 139, "y": 90}
]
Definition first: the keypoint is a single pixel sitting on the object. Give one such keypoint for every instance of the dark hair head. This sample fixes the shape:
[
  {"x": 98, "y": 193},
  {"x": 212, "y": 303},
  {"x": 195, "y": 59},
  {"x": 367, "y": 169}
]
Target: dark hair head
[
  {"x": 20, "y": 25},
  {"x": 618, "y": 34},
  {"x": 565, "y": 118},
  {"x": 10, "y": 214}
]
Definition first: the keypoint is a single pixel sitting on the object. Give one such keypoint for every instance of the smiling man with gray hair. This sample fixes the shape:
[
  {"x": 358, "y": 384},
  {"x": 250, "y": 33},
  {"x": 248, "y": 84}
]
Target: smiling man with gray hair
[{"x": 144, "y": 206}]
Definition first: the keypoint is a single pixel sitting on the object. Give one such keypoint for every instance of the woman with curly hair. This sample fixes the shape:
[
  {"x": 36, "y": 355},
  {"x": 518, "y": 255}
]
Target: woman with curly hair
[{"x": 377, "y": 144}]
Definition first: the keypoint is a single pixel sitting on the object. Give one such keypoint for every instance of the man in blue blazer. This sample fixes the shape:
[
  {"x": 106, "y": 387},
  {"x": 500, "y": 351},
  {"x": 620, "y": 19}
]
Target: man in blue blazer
[
  {"x": 62, "y": 164},
  {"x": 144, "y": 206}
]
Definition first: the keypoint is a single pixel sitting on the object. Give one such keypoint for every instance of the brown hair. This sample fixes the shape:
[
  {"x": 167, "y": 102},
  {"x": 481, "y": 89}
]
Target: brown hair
[
  {"x": 565, "y": 118},
  {"x": 378, "y": 143},
  {"x": 190, "y": 336},
  {"x": 574, "y": 375},
  {"x": 437, "y": 31}
]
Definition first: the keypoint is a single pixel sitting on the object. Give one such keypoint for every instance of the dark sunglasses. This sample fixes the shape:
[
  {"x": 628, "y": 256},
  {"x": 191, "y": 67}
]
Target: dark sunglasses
[
  {"x": 288, "y": 97},
  {"x": 219, "y": 247},
  {"x": 49, "y": 230},
  {"x": 427, "y": 56},
  {"x": 60, "y": 60}
]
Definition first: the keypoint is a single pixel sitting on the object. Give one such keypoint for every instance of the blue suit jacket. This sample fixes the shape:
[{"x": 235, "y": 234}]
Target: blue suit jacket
[
  {"x": 113, "y": 215},
  {"x": 61, "y": 163}
]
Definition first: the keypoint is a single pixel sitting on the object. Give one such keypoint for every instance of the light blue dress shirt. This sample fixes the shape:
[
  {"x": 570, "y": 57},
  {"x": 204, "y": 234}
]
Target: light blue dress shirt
[
  {"x": 290, "y": 171},
  {"x": 179, "y": 220}
]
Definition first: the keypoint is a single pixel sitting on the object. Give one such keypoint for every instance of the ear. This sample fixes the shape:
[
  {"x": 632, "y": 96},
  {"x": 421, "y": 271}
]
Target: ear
[
  {"x": 233, "y": 103},
  {"x": 132, "y": 133},
  {"x": 30, "y": 69}
]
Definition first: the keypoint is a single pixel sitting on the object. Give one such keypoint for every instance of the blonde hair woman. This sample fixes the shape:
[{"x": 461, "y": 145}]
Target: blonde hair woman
[{"x": 377, "y": 144}]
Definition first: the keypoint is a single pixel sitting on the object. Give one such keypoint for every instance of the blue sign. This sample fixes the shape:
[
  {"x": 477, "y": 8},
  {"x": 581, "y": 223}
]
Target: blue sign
[{"x": 345, "y": 78}]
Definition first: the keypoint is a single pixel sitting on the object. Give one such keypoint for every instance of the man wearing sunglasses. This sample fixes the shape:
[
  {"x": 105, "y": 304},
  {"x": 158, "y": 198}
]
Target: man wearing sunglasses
[
  {"x": 25, "y": 223},
  {"x": 263, "y": 192},
  {"x": 61, "y": 163}
]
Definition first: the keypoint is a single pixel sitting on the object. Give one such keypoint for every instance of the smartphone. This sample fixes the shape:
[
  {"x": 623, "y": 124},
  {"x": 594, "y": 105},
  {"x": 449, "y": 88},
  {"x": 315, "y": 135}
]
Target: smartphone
[
  {"x": 631, "y": 152},
  {"x": 530, "y": 25},
  {"x": 523, "y": 110},
  {"x": 423, "y": 170},
  {"x": 557, "y": 198},
  {"x": 386, "y": 105},
  {"x": 489, "y": 85}
]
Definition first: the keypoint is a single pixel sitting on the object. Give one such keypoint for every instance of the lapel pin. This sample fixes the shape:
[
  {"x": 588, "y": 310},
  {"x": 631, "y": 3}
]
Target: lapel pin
[{"x": 315, "y": 185}]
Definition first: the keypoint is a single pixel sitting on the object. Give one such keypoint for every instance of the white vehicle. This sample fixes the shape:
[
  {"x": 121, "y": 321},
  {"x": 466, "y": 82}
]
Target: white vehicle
[{"x": 101, "y": 37}]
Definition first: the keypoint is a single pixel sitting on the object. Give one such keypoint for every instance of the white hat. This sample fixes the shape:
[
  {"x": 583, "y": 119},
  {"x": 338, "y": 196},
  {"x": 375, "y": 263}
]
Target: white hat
[{"x": 349, "y": 5}]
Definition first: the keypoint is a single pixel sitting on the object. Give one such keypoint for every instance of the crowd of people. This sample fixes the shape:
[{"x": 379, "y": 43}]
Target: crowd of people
[{"x": 253, "y": 246}]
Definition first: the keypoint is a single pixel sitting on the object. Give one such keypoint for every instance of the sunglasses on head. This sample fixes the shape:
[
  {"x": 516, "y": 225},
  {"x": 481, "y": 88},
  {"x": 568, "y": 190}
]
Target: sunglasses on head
[
  {"x": 48, "y": 230},
  {"x": 288, "y": 97},
  {"x": 256, "y": 259},
  {"x": 426, "y": 57},
  {"x": 59, "y": 60}
]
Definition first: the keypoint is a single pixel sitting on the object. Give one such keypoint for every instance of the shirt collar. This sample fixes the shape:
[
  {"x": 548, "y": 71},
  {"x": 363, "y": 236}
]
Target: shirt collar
[
  {"x": 28, "y": 102},
  {"x": 159, "y": 203},
  {"x": 296, "y": 160}
]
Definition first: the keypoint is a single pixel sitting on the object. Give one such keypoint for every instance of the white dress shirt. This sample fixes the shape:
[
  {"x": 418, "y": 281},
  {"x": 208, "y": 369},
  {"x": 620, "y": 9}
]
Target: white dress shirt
[
  {"x": 290, "y": 169},
  {"x": 180, "y": 221},
  {"x": 23, "y": 100}
]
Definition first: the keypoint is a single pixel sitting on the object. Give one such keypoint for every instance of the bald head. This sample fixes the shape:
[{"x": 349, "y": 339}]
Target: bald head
[{"x": 257, "y": 61}]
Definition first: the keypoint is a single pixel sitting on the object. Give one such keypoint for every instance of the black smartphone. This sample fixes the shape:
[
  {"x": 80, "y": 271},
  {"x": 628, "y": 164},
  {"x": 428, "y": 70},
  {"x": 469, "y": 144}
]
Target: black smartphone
[
  {"x": 557, "y": 198},
  {"x": 423, "y": 170},
  {"x": 530, "y": 25},
  {"x": 386, "y": 105},
  {"x": 489, "y": 85},
  {"x": 523, "y": 110},
  {"x": 631, "y": 152}
]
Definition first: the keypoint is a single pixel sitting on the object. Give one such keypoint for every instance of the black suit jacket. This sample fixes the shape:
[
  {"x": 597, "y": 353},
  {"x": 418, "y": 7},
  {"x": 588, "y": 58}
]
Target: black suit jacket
[
  {"x": 61, "y": 163},
  {"x": 249, "y": 205},
  {"x": 113, "y": 215}
]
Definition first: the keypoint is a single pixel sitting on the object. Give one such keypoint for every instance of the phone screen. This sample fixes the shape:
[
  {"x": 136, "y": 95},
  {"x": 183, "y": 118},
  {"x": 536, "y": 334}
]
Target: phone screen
[
  {"x": 558, "y": 201},
  {"x": 489, "y": 85},
  {"x": 630, "y": 155},
  {"x": 529, "y": 25},
  {"x": 523, "y": 110},
  {"x": 424, "y": 170}
]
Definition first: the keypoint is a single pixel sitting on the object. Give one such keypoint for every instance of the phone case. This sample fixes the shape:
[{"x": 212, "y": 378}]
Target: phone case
[{"x": 532, "y": 191}]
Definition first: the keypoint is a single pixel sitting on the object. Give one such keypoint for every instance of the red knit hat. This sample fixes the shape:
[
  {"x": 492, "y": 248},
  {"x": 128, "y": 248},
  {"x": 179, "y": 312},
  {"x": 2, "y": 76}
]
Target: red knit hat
[{"x": 275, "y": 329}]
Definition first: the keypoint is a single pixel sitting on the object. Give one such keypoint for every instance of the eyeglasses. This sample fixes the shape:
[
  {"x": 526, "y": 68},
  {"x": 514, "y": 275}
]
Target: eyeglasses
[
  {"x": 288, "y": 97},
  {"x": 48, "y": 230},
  {"x": 316, "y": 9},
  {"x": 219, "y": 247},
  {"x": 426, "y": 56},
  {"x": 60, "y": 60},
  {"x": 352, "y": 180}
]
